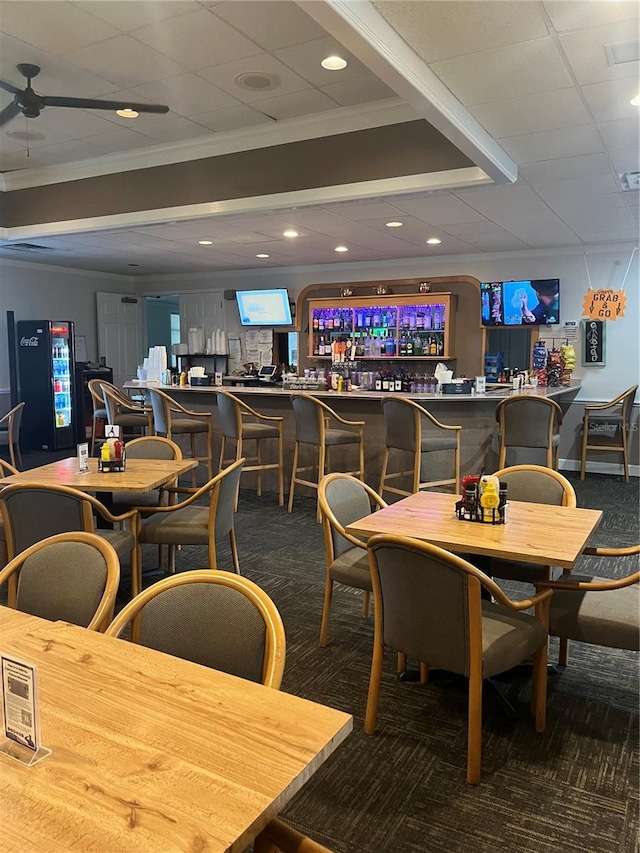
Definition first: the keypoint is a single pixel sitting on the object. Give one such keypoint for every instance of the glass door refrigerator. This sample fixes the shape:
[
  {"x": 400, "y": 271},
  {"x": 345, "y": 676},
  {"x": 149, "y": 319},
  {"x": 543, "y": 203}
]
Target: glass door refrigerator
[{"x": 45, "y": 363}]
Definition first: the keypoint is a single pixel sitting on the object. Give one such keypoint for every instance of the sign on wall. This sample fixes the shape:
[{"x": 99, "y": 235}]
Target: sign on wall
[
  {"x": 604, "y": 304},
  {"x": 593, "y": 354}
]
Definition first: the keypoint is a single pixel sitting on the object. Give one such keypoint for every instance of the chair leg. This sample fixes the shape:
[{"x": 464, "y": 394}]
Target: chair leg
[
  {"x": 625, "y": 458},
  {"x": 401, "y": 665},
  {"x": 259, "y": 472},
  {"x": 136, "y": 570},
  {"x": 234, "y": 551},
  {"x": 563, "y": 652},
  {"x": 417, "y": 462},
  {"x": 374, "y": 686},
  {"x": 209, "y": 451},
  {"x": 361, "y": 456},
  {"x": 172, "y": 560},
  {"x": 457, "y": 467},
  {"x": 322, "y": 461},
  {"x": 539, "y": 688},
  {"x": 293, "y": 476},
  {"x": 424, "y": 673},
  {"x": 194, "y": 479},
  {"x": 326, "y": 609},
  {"x": 474, "y": 728},
  {"x": 280, "y": 468},
  {"x": 366, "y": 600},
  {"x": 502, "y": 457},
  {"x": 383, "y": 475},
  {"x": 583, "y": 457},
  {"x": 93, "y": 435}
]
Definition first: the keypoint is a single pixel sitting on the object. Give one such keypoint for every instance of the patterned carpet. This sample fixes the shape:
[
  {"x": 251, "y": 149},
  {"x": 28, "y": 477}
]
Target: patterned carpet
[{"x": 403, "y": 790}]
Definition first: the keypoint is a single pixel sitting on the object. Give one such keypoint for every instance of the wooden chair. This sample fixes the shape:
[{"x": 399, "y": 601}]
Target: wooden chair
[
  {"x": 71, "y": 577},
  {"x": 216, "y": 619},
  {"x": 598, "y": 611},
  {"x": 539, "y": 485},
  {"x": 279, "y": 836},
  {"x": 147, "y": 447},
  {"x": 100, "y": 414},
  {"x": 121, "y": 410},
  {"x": 32, "y": 512},
  {"x": 595, "y": 434},
  {"x": 232, "y": 411},
  {"x": 432, "y": 611},
  {"x": 185, "y": 523},
  {"x": 312, "y": 418},
  {"x": 529, "y": 422},
  {"x": 165, "y": 424},
  {"x": 342, "y": 500},
  {"x": 6, "y": 470},
  {"x": 10, "y": 433},
  {"x": 404, "y": 421}
]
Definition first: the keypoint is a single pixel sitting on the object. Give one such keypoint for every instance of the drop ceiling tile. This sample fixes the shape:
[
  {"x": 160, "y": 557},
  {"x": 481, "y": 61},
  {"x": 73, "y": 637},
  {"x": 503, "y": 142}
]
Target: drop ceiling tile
[
  {"x": 532, "y": 113},
  {"x": 297, "y": 104},
  {"x": 445, "y": 29},
  {"x": 305, "y": 60},
  {"x": 623, "y": 133},
  {"x": 232, "y": 118},
  {"x": 473, "y": 230},
  {"x": 566, "y": 168},
  {"x": 118, "y": 140},
  {"x": 186, "y": 94},
  {"x": 440, "y": 210},
  {"x": 563, "y": 142},
  {"x": 77, "y": 123},
  {"x": 136, "y": 13},
  {"x": 272, "y": 25},
  {"x": 611, "y": 101},
  {"x": 61, "y": 152},
  {"x": 505, "y": 72},
  {"x": 586, "y": 53},
  {"x": 197, "y": 40},
  {"x": 497, "y": 242},
  {"x": 224, "y": 76},
  {"x": 125, "y": 61},
  {"x": 359, "y": 91},
  {"x": 32, "y": 135},
  {"x": 169, "y": 128},
  {"x": 569, "y": 15},
  {"x": 626, "y": 160},
  {"x": 367, "y": 210},
  {"x": 57, "y": 27},
  {"x": 572, "y": 191}
]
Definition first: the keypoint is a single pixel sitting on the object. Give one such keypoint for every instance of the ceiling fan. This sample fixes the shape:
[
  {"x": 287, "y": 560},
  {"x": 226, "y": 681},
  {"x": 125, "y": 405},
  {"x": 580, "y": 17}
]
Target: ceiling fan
[{"x": 30, "y": 104}]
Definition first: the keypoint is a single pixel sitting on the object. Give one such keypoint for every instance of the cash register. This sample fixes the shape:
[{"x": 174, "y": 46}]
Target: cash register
[{"x": 268, "y": 373}]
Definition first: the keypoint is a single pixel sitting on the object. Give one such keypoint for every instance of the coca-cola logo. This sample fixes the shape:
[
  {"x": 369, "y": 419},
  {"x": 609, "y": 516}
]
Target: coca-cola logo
[{"x": 29, "y": 342}]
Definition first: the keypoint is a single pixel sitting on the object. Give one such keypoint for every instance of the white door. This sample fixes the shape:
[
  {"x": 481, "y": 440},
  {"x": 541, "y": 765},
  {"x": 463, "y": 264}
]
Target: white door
[
  {"x": 201, "y": 310},
  {"x": 120, "y": 334}
]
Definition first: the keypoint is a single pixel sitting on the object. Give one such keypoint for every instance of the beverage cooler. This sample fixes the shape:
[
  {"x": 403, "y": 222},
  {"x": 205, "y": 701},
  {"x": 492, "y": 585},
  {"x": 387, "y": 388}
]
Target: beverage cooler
[{"x": 45, "y": 363}]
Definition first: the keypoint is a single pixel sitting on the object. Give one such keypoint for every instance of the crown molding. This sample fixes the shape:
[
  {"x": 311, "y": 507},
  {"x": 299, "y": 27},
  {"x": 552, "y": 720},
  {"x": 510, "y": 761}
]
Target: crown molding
[
  {"x": 449, "y": 179},
  {"x": 71, "y": 271},
  {"x": 340, "y": 120},
  {"x": 362, "y": 30}
]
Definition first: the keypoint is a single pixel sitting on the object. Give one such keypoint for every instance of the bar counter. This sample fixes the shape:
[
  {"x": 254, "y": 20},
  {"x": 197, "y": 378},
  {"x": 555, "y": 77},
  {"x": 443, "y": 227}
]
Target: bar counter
[{"x": 475, "y": 413}]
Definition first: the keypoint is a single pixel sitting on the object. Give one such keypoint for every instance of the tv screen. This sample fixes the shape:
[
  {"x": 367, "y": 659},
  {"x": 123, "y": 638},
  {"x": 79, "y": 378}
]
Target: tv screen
[
  {"x": 520, "y": 303},
  {"x": 264, "y": 307}
]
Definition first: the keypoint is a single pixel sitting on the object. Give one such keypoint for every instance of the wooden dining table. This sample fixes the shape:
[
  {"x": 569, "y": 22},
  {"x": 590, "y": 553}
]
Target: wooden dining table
[
  {"x": 533, "y": 533},
  {"x": 151, "y": 752}
]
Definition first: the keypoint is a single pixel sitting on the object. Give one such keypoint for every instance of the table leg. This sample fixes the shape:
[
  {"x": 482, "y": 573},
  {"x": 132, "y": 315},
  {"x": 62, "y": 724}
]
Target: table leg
[{"x": 106, "y": 499}]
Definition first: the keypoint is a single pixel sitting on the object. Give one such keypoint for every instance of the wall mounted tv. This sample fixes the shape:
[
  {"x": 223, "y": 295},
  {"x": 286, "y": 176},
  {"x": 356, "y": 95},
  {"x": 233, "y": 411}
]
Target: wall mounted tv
[
  {"x": 264, "y": 307},
  {"x": 520, "y": 303}
]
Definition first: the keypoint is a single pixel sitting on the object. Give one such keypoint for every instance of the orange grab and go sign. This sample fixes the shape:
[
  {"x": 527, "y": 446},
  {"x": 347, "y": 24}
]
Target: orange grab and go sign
[{"x": 604, "y": 304}]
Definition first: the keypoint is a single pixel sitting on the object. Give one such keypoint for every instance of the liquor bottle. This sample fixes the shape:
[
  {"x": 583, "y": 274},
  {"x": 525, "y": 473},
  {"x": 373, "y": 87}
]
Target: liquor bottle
[
  {"x": 315, "y": 321},
  {"x": 403, "y": 345},
  {"x": 337, "y": 320},
  {"x": 321, "y": 322},
  {"x": 382, "y": 343},
  {"x": 385, "y": 381},
  {"x": 377, "y": 319},
  {"x": 409, "y": 352},
  {"x": 329, "y": 323},
  {"x": 427, "y": 319},
  {"x": 316, "y": 346},
  {"x": 420, "y": 320},
  {"x": 437, "y": 317},
  {"x": 440, "y": 346},
  {"x": 433, "y": 347},
  {"x": 417, "y": 345},
  {"x": 405, "y": 319},
  {"x": 359, "y": 320},
  {"x": 406, "y": 383},
  {"x": 413, "y": 319},
  {"x": 367, "y": 318},
  {"x": 398, "y": 381},
  {"x": 388, "y": 320},
  {"x": 390, "y": 346},
  {"x": 378, "y": 382}
]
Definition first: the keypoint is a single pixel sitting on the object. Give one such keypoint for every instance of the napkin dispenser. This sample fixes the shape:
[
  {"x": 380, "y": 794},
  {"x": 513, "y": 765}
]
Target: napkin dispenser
[
  {"x": 199, "y": 380},
  {"x": 458, "y": 387}
]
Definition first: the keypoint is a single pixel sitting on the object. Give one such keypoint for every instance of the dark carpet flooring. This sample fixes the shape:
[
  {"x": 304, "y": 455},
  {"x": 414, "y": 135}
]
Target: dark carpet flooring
[{"x": 403, "y": 790}]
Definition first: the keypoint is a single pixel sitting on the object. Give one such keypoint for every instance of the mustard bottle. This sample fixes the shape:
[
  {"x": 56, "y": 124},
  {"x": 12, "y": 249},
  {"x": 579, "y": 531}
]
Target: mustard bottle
[
  {"x": 183, "y": 380},
  {"x": 489, "y": 501},
  {"x": 104, "y": 453}
]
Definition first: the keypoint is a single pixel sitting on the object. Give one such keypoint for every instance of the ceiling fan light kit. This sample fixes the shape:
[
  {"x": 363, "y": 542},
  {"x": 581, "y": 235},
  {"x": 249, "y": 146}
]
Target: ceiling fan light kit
[{"x": 30, "y": 104}]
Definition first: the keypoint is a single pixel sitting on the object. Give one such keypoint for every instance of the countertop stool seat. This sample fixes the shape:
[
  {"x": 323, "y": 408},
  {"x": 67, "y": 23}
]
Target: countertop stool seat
[
  {"x": 531, "y": 423},
  {"x": 313, "y": 419},
  {"x": 100, "y": 414},
  {"x": 171, "y": 419},
  {"x": 121, "y": 410},
  {"x": 405, "y": 422},
  {"x": 606, "y": 427},
  {"x": 232, "y": 412}
]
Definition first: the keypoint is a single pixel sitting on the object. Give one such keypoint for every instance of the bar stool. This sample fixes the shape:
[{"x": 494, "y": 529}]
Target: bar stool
[
  {"x": 312, "y": 427},
  {"x": 165, "y": 424},
  {"x": 121, "y": 410},
  {"x": 404, "y": 423},
  {"x": 529, "y": 422},
  {"x": 232, "y": 426},
  {"x": 597, "y": 433}
]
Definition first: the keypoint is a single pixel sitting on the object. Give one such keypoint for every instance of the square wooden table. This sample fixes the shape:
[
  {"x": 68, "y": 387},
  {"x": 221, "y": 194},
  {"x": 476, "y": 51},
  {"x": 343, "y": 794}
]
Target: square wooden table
[
  {"x": 14, "y": 623},
  {"x": 153, "y": 753},
  {"x": 534, "y": 533}
]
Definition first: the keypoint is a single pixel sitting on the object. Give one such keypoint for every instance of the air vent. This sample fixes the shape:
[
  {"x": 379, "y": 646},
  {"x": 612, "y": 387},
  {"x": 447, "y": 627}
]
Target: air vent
[
  {"x": 257, "y": 81},
  {"x": 624, "y": 51},
  {"x": 29, "y": 247},
  {"x": 629, "y": 181}
]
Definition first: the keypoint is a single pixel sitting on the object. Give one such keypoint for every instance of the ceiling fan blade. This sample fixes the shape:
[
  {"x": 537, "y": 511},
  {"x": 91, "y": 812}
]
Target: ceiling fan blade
[
  {"x": 9, "y": 87},
  {"x": 8, "y": 113},
  {"x": 89, "y": 104}
]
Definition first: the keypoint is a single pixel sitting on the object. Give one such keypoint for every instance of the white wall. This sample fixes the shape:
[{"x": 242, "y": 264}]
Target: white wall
[
  {"x": 41, "y": 292},
  {"x": 606, "y": 263}
]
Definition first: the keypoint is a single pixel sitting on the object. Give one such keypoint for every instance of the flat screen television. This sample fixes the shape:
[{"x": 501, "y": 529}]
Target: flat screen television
[
  {"x": 264, "y": 307},
  {"x": 535, "y": 302}
]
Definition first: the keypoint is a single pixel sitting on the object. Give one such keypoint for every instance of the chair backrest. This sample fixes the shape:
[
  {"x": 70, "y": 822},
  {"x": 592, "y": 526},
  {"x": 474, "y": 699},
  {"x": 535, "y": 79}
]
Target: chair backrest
[
  {"x": 428, "y": 601},
  {"x": 152, "y": 447},
  {"x": 343, "y": 499},
  {"x": 7, "y": 469},
  {"x": 161, "y": 405},
  {"x": 13, "y": 420},
  {"x": 97, "y": 395},
  {"x": 31, "y": 513},
  {"x": 402, "y": 421},
  {"x": 217, "y": 619},
  {"x": 223, "y": 498},
  {"x": 71, "y": 577},
  {"x": 537, "y": 485},
  {"x": 309, "y": 417},
  {"x": 110, "y": 401},
  {"x": 527, "y": 421},
  {"x": 627, "y": 399},
  {"x": 230, "y": 414}
]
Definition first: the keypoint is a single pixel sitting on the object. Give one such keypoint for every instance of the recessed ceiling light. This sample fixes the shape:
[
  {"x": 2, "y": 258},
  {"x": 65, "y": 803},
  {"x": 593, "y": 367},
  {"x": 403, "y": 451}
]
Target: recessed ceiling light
[
  {"x": 635, "y": 101},
  {"x": 341, "y": 249},
  {"x": 434, "y": 241},
  {"x": 127, "y": 113},
  {"x": 205, "y": 242},
  {"x": 393, "y": 224},
  {"x": 290, "y": 233},
  {"x": 334, "y": 63},
  {"x": 262, "y": 255}
]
